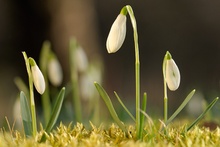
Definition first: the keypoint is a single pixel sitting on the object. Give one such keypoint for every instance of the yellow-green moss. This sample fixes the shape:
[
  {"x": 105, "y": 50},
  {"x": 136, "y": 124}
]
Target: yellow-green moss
[{"x": 78, "y": 135}]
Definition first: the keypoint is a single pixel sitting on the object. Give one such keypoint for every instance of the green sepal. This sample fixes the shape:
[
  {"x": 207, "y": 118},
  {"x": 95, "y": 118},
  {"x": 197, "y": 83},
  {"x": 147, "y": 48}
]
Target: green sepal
[
  {"x": 124, "y": 11},
  {"x": 32, "y": 61}
]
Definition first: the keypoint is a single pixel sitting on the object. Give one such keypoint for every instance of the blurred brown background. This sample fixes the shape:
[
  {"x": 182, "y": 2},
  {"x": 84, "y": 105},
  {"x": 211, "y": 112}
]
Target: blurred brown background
[{"x": 190, "y": 30}]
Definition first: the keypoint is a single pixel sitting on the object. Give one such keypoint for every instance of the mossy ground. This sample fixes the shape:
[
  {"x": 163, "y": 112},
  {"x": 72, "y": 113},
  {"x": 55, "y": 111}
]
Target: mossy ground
[{"x": 78, "y": 135}]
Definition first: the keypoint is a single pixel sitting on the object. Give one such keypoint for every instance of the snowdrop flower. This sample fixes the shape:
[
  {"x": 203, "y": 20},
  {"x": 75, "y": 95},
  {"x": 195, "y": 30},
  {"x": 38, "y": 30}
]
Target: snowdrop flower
[
  {"x": 172, "y": 73},
  {"x": 117, "y": 34},
  {"x": 55, "y": 73},
  {"x": 94, "y": 73},
  {"x": 37, "y": 76}
]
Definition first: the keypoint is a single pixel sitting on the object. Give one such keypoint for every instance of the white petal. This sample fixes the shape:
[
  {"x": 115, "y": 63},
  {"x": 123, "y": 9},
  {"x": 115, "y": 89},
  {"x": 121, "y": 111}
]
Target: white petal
[
  {"x": 55, "y": 73},
  {"x": 38, "y": 79},
  {"x": 172, "y": 75},
  {"x": 117, "y": 34}
]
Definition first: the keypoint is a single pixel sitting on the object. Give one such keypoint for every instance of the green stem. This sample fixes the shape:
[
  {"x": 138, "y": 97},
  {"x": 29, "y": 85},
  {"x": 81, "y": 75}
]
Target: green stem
[
  {"x": 45, "y": 98},
  {"x": 33, "y": 112},
  {"x": 74, "y": 80},
  {"x": 165, "y": 90},
  {"x": 165, "y": 108},
  {"x": 144, "y": 107},
  {"x": 46, "y": 102},
  {"x": 137, "y": 68}
]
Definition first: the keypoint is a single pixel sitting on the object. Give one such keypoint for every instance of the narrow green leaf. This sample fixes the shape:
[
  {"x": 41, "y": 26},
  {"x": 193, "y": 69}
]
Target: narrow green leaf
[
  {"x": 122, "y": 104},
  {"x": 144, "y": 107},
  {"x": 187, "y": 99},
  {"x": 202, "y": 115},
  {"x": 55, "y": 113},
  {"x": 56, "y": 110},
  {"x": 150, "y": 121},
  {"x": 108, "y": 103},
  {"x": 26, "y": 115}
]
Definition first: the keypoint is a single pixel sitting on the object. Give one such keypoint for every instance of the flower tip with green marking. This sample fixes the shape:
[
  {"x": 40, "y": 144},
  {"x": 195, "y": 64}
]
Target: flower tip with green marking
[{"x": 117, "y": 34}]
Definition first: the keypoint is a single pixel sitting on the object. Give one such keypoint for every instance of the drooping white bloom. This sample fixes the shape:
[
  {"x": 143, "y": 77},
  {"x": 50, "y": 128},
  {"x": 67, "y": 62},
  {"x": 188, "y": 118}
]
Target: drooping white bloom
[
  {"x": 94, "y": 73},
  {"x": 117, "y": 34},
  {"x": 172, "y": 75},
  {"x": 37, "y": 76},
  {"x": 55, "y": 73}
]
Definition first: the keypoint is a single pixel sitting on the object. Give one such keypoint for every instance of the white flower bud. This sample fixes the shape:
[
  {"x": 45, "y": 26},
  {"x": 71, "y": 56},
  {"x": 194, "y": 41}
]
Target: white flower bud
[
  {"x": 117, "y": 34},
  {"x": 38, "y": 77},
  {"x": 172, "y": 75},
  {"x": 55, "y": 73}
]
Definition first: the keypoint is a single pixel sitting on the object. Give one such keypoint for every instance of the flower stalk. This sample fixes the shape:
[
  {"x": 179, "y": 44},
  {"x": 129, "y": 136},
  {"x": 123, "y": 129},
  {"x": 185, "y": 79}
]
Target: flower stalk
[
  {"x": 74, "y": 80},
  {"x": 45, "y": 98},
  {"x": 115, "y": 40},
  {"x": 171, "y": 76},
  {"x": 33, "y": 111},
  {"x": 137, "y": 67}
]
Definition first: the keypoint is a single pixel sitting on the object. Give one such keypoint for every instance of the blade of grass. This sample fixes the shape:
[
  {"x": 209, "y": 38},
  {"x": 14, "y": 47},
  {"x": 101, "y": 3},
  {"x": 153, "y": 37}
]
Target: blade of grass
[
  {"x": 202, "y": 115},
  {"x": 122, "y": 104},
  {"x": 26, "y": 115},
  {"x": 55, "y": 113},
  {"x": 56, "y": 110},
  {"x": 144, "y": 107},
  {"x": 108, "y": 103},
  {"x": 187, "y": 99},
  {"x": 150, "y": 121}
]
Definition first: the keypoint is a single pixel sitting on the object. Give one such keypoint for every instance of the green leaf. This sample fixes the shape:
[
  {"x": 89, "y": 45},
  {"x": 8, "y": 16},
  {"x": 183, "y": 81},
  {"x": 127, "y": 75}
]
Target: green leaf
[
  {"x": 55, "y": 113},
  {"x": 187, "y": 99},
  {"x": 108, "y": 103},
  {"x": 56, "y": 110},
  {"x": 122, "y": 104},
  {"x": 26, "y": 115},
  {"x": 202, "y": 115}
]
